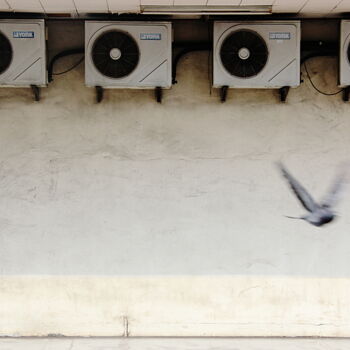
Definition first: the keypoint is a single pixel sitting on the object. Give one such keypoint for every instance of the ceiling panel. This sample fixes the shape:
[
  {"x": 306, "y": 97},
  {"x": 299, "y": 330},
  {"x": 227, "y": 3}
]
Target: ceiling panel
[
  {"x": 26, "y": 6},
  {"x": 343, "y": 6},
  {"x": 61, "y": 6},
  {"x": 4, "y": 6},
  {"x": 224, "y": 2},
  {"x": 288, "y": 6},
  {"x": 257, "y": 2},
  {"x": 91, "y": 6},
  {"x": 124, "y": 6},
  {"x": 157, "y": 2},
  {"x": 192, "y": 2},
  {"x": 290, "y": 3},
  {"x": 319, "y": 6}
]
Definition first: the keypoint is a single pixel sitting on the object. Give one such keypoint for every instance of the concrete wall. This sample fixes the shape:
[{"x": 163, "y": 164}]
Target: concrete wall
[{"x": 170, "y": 217}]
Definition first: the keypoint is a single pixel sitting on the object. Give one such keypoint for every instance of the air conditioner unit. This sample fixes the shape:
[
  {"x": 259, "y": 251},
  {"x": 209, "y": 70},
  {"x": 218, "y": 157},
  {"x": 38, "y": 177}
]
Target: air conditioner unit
[
  {"x": 22, "y": 53},
  {"x": 256, "y": 54},
  {"x": 128, "y": 54},
  {"x": 344, "y": 65}
]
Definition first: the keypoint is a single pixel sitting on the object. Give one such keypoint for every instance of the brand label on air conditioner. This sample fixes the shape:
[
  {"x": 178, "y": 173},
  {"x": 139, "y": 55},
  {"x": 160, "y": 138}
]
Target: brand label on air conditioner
[
  {"x": 23, "y": 34},
  {"x": 280, "y": 36},
  {"x": 150, "y": 36}
]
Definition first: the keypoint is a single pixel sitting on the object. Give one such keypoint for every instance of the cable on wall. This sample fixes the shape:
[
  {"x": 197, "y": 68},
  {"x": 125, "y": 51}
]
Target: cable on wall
[
  {"x": 76, "y": 51},
  {"x": 187, "y": 48},
  {"x": 71, "y": 68},
  {"x": 316, "y": 88},
  {"x": 311, "y": 49}
]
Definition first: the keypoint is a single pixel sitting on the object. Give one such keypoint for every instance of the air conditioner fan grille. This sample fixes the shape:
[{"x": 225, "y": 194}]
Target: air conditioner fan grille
[
  {"x": 244, "y": 53},
  {"x": 115, "y": 54},
  {"x": 5, "y": 53}
]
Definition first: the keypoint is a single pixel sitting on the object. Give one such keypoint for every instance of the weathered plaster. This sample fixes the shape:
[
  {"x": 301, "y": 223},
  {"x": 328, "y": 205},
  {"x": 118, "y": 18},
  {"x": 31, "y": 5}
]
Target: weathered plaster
[{"x": 170, "y": 215}]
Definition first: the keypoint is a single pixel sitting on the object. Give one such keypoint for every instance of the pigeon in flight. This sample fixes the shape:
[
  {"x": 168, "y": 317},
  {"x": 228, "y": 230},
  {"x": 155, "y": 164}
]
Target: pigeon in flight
[{"x": 319, "y": 213}]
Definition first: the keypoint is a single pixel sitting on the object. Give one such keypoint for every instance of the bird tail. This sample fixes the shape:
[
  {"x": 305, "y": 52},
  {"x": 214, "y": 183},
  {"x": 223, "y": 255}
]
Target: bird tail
[{"x": 294, "y": 217}]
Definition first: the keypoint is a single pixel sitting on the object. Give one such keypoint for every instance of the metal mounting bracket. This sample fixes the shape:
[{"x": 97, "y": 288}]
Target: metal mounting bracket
[
  {"x": 158, "y": 94},
  {"x": 99, "y": 93},
  {"x": 346, "y": 93},
  {"x": 223, "y": 93},
  {"x": 36, "y": 92},
  {"x": 283, "y": 92}
]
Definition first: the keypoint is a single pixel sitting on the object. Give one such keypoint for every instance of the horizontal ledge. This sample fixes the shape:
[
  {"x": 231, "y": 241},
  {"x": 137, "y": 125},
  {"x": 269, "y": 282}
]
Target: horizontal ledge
[{"x": 206, "y": 10}]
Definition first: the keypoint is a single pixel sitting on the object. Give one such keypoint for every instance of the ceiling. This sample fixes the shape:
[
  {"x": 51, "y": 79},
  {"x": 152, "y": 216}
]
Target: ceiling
[{"x": 307, "y": 7}]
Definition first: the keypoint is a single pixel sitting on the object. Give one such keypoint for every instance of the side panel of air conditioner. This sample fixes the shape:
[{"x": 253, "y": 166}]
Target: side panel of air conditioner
[
  {"x": 264, "y": 54},
  {"x": 344, "y": 54},
  {"x": 26, "y": 64},
  {"x": 150, "y": 40}
]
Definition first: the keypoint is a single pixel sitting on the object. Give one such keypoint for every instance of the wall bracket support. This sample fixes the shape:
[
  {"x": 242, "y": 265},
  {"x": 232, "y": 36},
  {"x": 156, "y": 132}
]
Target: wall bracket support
[
  {"x": 283, "y": 92},
  {"x": 99, "y": 94},
  {"x": 36, "y": 92},
  {"x": 158, "y": 94},
  {"x": 223, "y": 93}
]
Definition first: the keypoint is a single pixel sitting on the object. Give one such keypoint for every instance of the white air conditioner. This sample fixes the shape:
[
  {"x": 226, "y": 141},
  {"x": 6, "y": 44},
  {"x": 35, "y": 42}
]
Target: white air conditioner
[
  {"x": 22, "y": 53},
  {"x": 128, "y": 54},
  {"x": 344, "y": 65},
  {"x": 256, "y": 54}
]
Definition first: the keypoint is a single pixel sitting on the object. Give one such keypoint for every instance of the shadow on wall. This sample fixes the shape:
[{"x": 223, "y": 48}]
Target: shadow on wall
[{"x": 188, "y": 187}]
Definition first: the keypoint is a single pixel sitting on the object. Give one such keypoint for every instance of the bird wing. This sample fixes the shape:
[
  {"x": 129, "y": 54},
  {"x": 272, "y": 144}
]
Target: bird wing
[
  {"x": 304, "y": 197},
  {"x": 333, "y": 196}
]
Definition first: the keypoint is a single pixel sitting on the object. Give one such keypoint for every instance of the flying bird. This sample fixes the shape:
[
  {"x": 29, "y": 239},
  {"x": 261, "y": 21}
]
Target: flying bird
[{"x": 321, "y": 213}]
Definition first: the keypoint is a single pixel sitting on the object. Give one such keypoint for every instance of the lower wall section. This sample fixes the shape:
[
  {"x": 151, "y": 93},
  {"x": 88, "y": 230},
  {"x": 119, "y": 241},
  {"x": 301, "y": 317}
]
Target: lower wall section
[
  {"x": 174, "y": 306},
  {"x": 188, "y": 188}
]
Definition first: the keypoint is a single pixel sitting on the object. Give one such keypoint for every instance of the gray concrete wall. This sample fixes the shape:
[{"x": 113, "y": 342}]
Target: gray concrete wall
[{"x": 170, "y": 216}]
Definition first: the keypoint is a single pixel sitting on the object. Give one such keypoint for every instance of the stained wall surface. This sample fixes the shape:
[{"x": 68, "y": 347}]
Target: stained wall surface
[{"x": 169, "y": 219}]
